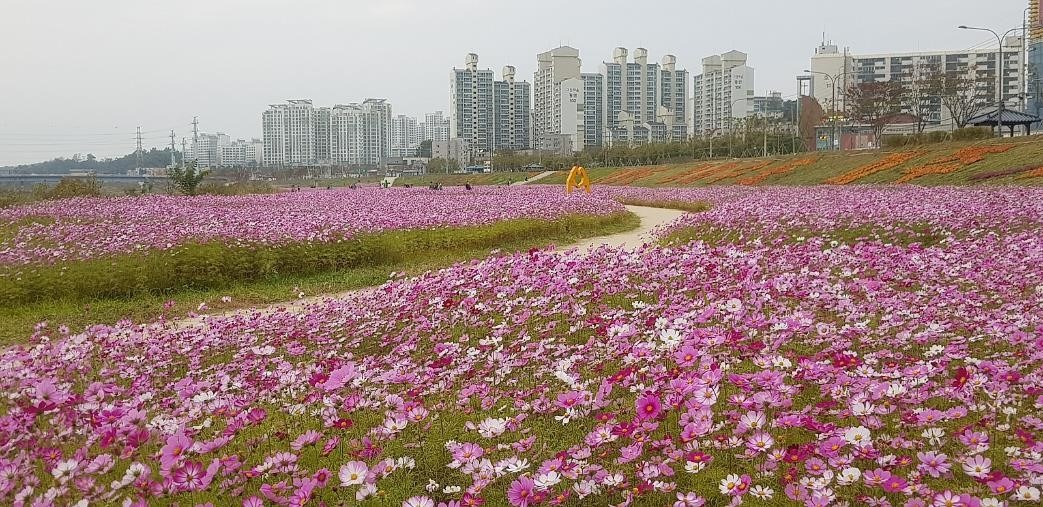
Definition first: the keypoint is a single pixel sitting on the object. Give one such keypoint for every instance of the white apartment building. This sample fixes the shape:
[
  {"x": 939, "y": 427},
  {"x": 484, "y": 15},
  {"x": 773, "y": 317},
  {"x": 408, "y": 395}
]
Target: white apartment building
[
  {"x": 405, "y": 136},
  {"x": 289, "y": 134},
  {"x": 834, "y": 71},
  {"x": 673, "y": 98},
  {"x": 593, "y": 109},
  {"x": 435, "y": 127},
  {"x": 359, "y": 133},
  {"x": 722, "y": 94},
  {"x": 643, "y": 102},
  {"x": 511, "y": 112},
  {"x": 631, "y": 96},
  {"x": 298, "y": 134},
  {"x": 206, "y": 149},
  {"x": 558, "y": 99},
  {"x": 241, "y": 153},
  {"x": 471, "y": 106}
]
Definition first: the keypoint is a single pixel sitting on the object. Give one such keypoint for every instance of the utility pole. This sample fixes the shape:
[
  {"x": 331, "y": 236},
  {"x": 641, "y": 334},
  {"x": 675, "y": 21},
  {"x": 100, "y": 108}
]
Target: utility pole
[
  {"x": 138, "y": 151},
  {"x": 173, "y": 151},
  {"x": 195, "y": 138},
  {"x": 183, "y": 152}
]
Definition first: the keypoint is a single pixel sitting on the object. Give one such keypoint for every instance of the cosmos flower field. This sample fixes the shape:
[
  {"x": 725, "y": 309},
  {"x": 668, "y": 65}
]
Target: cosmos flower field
[
  {"x": 790, "y": 346},
  {"x": 89, "y": 228}
]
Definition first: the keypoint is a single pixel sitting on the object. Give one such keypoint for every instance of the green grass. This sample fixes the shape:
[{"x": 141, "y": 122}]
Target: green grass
[
  {"x": 106, "y": 291},
  {"x": 1026, "y": 151}
]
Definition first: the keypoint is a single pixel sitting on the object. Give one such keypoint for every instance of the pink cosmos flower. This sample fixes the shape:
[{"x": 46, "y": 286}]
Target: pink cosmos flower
[
  {"x": 175, "y": 447},
  {"x": 648, "y": 407},
  {"x": 1001, "y": 486},
  {"x": 189, "y": 476},
  {"x": 521, "y": 492},
  {"x": 419, "y": 501}
]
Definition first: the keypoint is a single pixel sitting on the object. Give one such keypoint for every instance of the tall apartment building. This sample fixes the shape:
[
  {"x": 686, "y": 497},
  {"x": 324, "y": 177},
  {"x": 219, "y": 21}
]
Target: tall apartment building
[
  {"x": 435, "y": 127},
  {"x": 593, "y": 109},
  {"x": 381, "y": 109},
  {"x": 298, "y": 134},
  {"x": 241, "y": 153},
  {"x": 405, "y": 136},
  {"x": 206, "y": 149},
  {"x": 631, "y": 95},
  {"x": 511, "y": 112},
  {"x": 360, "y": 133},
  {"x": 558, "y": 100},
  {"x": 643, "y": 102},
  {"x": 488, "y": 115},
  {"x": 1034, "y": 84},
  {"x": 673, "y": 98},
  {"x": 845, "y": 69},
  {"x": 722, "y": 94},
  {"x": 289, "y": 134},
  {"x": 471, "y": 106}
]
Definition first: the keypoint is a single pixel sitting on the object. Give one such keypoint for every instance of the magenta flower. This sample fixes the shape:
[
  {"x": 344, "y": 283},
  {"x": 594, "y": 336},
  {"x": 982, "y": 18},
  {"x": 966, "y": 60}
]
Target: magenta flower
[
  {"x": 521, "y": 492},
  {"x": 648, "y": 407}
]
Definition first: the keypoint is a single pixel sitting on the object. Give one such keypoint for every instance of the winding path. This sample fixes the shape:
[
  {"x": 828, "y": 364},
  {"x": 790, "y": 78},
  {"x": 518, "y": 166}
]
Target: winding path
[{"x": 651, "y": 218}]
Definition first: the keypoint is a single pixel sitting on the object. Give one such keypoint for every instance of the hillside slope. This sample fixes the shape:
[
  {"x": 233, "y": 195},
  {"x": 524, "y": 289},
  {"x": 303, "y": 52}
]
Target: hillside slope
[{"x": 1018, "y": 161}]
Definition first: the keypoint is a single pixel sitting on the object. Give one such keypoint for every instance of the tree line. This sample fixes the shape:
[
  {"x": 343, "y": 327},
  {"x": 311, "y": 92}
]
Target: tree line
[{"x": 925, "y": 88}]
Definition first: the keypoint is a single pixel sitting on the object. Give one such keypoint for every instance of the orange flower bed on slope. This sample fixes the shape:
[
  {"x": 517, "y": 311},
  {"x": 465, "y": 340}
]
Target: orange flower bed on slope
[
  {"x": 784, "y": 168},
  {"x": 737, "y": 169},
  {"x": 628, "y": 176},
  {"x": 681, "y": 176},
  {"x": 952, "y": 163},
  {"x": 1035, "y": 173},
  {"x": 704, "y": 171},
  {"x": 889, "y": 162}
]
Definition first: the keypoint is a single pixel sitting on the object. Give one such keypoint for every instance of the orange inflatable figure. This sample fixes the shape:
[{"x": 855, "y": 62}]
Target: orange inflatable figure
[{"x": 578, "y": 177}]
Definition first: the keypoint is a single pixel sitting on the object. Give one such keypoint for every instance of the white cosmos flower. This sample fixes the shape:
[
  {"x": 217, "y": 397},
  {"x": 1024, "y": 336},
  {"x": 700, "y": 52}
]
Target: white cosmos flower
[
  {"x": 858, "y": 436},
  {"x": 491, "y": 427},
  {"x": 547, "y": 480},
  {"x": 1027, "y": 494}
]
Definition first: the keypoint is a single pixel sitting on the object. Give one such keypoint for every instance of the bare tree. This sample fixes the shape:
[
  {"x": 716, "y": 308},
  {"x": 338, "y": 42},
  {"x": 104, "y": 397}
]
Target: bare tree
[
  {"x": 921, "y": 93},
  {"x": 873, "y": 102},
  {"x": 961, "y": 94}
]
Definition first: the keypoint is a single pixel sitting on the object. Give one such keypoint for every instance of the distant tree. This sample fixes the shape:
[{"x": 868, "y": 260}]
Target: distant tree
[
  {"x": 921, "y": 93},
  {"x": 873, "y": 102},
  {"x": 187, "y": 178},
  {"x": 961, "y": 94},
  {"x": 425, "y": 149}
]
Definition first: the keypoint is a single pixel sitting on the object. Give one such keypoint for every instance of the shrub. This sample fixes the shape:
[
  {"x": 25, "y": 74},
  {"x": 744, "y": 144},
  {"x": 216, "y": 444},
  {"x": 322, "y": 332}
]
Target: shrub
[
  {"x": 972, "y": 134},
  {"x": 69, "y": 187},
  {"x": 236, "y": 188},
  {"x": 188, "y": 178}
]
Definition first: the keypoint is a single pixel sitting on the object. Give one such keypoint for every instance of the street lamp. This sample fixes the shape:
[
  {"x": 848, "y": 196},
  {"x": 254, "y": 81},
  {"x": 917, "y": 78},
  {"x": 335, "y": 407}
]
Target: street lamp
[
  {"x": 833, "y": 84},
  {"x": 999, "y": 83}
]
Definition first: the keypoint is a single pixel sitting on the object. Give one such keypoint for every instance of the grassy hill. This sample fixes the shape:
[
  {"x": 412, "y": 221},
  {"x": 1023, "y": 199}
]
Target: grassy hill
[{"x": 1010, "y": 161}]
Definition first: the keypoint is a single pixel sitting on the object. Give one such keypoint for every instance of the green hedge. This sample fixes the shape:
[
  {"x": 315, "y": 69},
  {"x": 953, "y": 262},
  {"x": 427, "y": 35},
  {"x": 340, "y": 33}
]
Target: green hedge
[
  {"x": 964, "y": 134},
  {"x": 216, "y": 265}
]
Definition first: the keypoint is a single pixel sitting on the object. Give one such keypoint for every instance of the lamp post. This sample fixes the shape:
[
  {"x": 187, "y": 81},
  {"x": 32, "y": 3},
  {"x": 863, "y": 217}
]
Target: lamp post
[
  {"x": 999, "y": 80},
  {"x": 833, "y": 117}
]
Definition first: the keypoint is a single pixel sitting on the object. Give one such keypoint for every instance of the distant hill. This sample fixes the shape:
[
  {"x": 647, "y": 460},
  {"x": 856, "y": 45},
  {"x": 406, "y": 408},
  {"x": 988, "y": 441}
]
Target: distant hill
[{"x": 120, "y": 165}]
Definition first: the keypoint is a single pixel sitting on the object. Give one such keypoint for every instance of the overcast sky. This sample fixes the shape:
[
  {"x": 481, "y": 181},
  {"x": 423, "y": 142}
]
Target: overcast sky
[{"x": 79, "y": 76}]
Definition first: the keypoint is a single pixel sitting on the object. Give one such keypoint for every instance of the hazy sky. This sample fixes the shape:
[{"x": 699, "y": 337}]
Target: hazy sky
[{"x": 80, "y": 75}]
